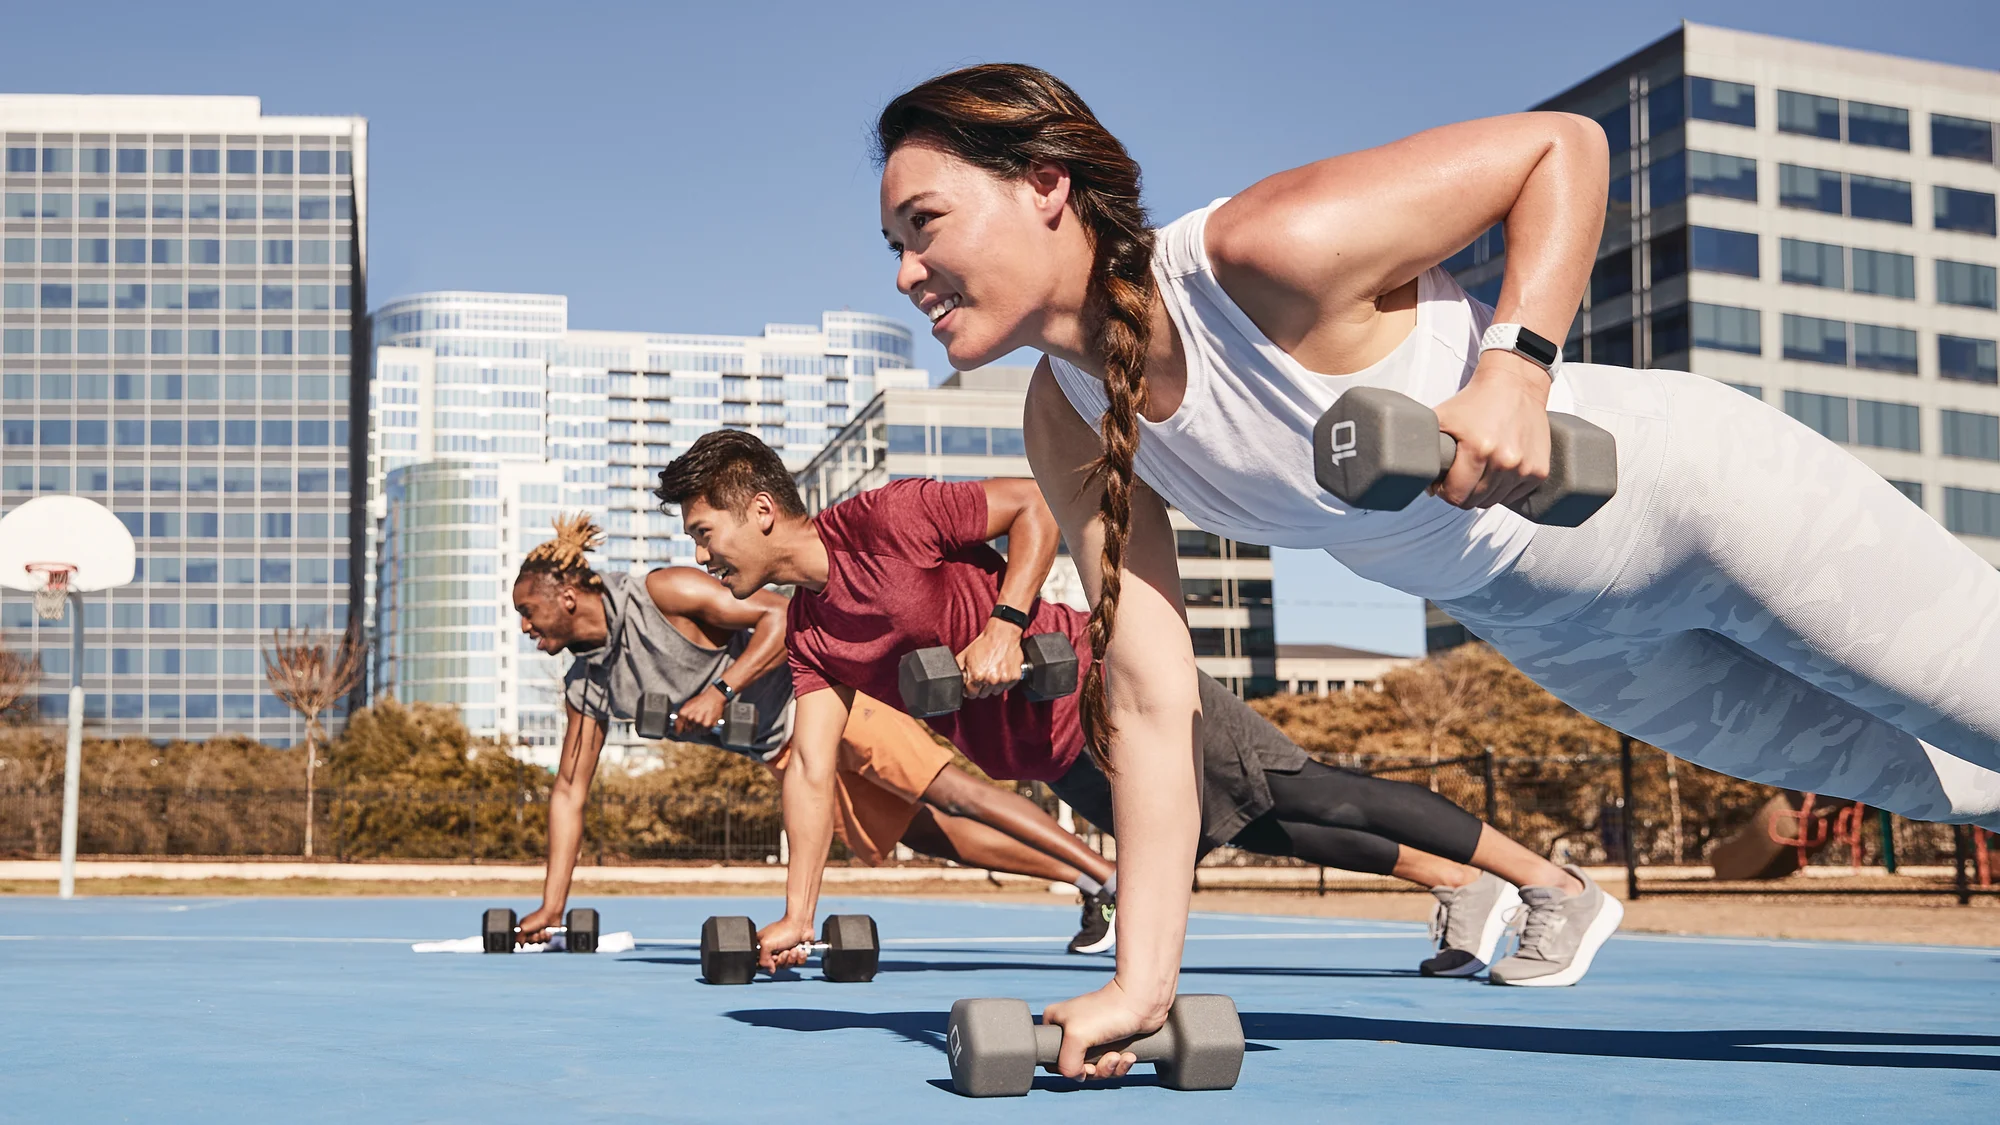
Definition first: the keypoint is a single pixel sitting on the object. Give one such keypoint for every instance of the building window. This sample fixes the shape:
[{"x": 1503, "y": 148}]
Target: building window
[
  {"x": 1878, "y": 126},
  {"x": 1970, "y": 435},
  {"x": 1732, "y": 177},
  {"x": 1007, "y": 442},
  {"x": 1197, "y": 545},
  {"x": 1965, "y": 283},
  {"x": 1887, "y": 201},
  {"x": 1670, "y": 332},
  {"x": 1969, "y": 511},
  {"x": 1825, "y": 414},
  {"x": 1732, "y": 103},
  {"x": 1811, "y": 339},
  {"x": 1611, "y": 277},
  {"x": 1616, "y": 123},
  {"x": 1202, "y": 591},
  {"x": 1751, "y": 389},
  {"x": 962, "y": 441},
  {"x": 1666, "y": 108},
  {"x": 1887, "y": 425},
  {"x": 1881, "y": 348},
  {"x": 1961, "y": 138},
  {"x": 1913, "y": 491},
  {"x": 1613, "y": 346},
  {"x": 1667, "y": 180},
  {"x": 1727, "y": 328},
  {"x": 907, "y": 439},
  {"x": 1253, "y": 592},
  {"x": 1811, "y": 263},
  {"x": 1885, "y": 274},
  {"x": 1808, "y": 115},
  {"x": 1958, "y": 209},
  {"x": 1210, "y": 642},
  {"x": 1968, "y": 360},
  {"x": 1723, "y": 251},
  {"x": 1808, "y": 189}
]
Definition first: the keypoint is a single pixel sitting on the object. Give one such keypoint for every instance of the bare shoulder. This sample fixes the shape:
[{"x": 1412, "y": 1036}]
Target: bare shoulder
[
  {"x": 679, "y": 589},
  {"x": 1052, "y": 420}
]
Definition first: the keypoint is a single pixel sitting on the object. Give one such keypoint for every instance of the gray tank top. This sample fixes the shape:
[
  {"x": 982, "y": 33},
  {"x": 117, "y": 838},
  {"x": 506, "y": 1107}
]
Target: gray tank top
[{"x": 642, "y": 653}]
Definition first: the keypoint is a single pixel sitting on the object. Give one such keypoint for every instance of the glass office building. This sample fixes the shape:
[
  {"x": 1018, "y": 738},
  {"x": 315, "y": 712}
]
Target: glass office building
[
  {"x": 179, "y": 335},
  {"x": 491, "y": 415},
  {"x": 1815, "y": 226}
]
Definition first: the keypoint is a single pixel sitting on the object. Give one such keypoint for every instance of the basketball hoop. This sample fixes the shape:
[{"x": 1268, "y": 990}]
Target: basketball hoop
[{"x": 53, "y": 594}]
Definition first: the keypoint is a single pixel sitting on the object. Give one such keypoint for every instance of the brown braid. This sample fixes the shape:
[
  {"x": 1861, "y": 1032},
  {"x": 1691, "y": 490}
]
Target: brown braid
[
  {"x": 562, "y": 559},
  {"x": 1004, "y": 118}
]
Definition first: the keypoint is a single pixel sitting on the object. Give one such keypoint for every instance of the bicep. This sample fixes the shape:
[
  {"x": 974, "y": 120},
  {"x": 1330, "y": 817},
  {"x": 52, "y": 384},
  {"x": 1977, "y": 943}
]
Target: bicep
[
  {"x": 685, "y": 592},
  {"x": 817, "y": 726},
  {"x": 1006, "y": 499},
  {"x": 1365, "y": 223}
]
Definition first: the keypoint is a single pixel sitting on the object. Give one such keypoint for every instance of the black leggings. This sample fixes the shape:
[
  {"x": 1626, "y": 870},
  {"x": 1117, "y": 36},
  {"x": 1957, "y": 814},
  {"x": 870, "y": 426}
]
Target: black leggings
[
  {"x": 1338, "y": 818},
  {"x": 1327, "y": 816}
]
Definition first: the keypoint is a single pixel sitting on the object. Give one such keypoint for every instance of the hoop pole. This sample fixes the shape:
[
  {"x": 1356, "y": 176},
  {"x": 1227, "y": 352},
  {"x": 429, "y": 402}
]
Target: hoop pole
[{"x": 73, "y": 757}]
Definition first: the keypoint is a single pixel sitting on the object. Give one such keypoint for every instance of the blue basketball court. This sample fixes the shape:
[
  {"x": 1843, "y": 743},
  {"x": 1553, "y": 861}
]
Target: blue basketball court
[{"x": 242, "y": 1009}]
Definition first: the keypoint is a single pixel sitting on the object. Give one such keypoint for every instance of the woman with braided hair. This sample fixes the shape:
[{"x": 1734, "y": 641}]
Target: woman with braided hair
[
  {"x": 1753, "y": 599},
  {"x": 680, "y": 633}
]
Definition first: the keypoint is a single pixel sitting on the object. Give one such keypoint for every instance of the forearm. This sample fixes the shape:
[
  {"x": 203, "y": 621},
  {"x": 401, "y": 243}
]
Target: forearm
[
  {"x": 1031, "y": 553},
  {"x": 1156, "y": 801},
  {"x": 566, "y": 805},
  {"x": 807, "y": 801},
  {"x": 764, "y": 653},
  {"x": 1552, "y": 232}
]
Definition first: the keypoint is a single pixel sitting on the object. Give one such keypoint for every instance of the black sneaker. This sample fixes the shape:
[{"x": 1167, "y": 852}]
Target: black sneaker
[{"x": 1099, "y": 933}]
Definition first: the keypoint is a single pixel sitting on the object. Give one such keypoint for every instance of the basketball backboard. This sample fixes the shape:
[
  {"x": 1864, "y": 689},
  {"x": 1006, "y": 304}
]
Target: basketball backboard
[{"x": 64, "y": 541}]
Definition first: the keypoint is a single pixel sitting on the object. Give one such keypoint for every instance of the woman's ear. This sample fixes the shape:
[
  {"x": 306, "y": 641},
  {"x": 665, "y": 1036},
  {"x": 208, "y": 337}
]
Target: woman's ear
[{"x": 1048, "y": 188}]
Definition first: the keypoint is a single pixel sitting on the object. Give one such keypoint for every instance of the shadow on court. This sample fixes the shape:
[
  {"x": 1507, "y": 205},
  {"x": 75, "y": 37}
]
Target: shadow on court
[
  {"x": 1082, "y": 964},
  {"x": 1815, "y": 1048}
]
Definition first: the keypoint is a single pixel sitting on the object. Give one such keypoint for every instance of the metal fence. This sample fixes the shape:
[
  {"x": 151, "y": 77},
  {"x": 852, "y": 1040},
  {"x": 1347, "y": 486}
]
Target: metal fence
[{"x": 1660, "y": 817}]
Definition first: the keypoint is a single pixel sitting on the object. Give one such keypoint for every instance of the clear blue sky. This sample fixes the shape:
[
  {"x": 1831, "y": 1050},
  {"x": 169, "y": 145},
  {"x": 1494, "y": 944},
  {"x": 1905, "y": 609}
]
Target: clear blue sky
[{"x": 704, "y": 168}]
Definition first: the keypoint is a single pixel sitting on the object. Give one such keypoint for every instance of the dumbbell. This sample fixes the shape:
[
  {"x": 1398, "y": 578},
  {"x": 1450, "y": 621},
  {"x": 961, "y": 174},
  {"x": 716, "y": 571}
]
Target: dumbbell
[
  {"x": 501, "y": 929},
  {"x": 849, "y": 949},
  {"x": 657, "y": 714},
  {"x": 995, "y": 1045},
  {"x": 1378, "y": 449},
  {"x": 933, "y": 684}
]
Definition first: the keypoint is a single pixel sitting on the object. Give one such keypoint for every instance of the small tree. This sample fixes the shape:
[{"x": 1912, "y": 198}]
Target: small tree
[
  {"x": 18, "y": 674},
  {"x": 311, "y": 674},
  {"x": 1436, "y": 698}
]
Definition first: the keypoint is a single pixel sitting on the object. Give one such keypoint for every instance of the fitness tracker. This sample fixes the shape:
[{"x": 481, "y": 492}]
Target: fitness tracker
[
  {"x": 1523, "y": 342},
  {"x": 1011, "y": 616},
  {"x": 728, "y": 693}
]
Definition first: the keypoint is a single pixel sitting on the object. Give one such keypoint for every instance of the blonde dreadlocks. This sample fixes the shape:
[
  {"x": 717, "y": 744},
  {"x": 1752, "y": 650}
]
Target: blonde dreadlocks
[{"x": 562, "y": 558}]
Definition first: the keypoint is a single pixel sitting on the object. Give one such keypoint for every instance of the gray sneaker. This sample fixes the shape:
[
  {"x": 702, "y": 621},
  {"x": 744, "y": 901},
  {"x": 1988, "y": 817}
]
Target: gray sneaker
[
  {"x": 1467, "y": 925},
  {"x": 1560, "y": 934}
]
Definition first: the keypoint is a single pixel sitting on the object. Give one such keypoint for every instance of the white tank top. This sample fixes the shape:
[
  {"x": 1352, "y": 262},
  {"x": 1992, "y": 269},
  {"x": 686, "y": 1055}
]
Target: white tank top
[{"x": 1237, "y": 456}]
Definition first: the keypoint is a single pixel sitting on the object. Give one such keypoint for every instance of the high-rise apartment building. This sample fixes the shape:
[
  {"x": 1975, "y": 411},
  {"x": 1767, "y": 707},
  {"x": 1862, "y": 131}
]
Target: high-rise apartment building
[
  {"x": 968, "y": 429},
  {"x": 490, "y": 415},
  {"x": 1816, "y": 226},
  {"x": 182, "y": 281}
]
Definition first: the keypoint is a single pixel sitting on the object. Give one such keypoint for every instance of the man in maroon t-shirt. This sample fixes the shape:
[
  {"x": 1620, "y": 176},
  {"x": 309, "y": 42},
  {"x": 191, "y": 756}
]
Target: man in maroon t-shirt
[{"x": 908, "y": 566}]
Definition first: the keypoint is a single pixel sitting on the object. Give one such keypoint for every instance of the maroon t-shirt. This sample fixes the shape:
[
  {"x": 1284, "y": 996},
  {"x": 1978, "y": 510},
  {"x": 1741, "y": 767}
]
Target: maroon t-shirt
[{"x": 908, "y": 567}]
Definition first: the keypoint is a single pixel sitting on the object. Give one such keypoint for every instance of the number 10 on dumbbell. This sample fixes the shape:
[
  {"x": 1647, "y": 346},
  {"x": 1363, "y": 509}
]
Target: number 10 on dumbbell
[{"x": 933, "y": 684}]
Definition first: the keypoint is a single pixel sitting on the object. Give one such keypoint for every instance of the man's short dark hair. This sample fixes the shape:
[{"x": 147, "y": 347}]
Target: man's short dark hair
[{"x": 724, "y": 469}]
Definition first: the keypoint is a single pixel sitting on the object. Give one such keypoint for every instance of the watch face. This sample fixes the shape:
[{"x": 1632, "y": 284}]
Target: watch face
[{"x": 1536, "y": 348}]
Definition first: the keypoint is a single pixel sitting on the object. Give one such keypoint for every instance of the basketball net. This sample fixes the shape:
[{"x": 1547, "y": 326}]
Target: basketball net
[{"x": 53, "y": 594}]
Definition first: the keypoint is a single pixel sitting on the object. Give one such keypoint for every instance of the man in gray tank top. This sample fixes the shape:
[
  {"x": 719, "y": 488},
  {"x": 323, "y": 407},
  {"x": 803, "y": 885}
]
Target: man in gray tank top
[{"x": 680, "y": 633}]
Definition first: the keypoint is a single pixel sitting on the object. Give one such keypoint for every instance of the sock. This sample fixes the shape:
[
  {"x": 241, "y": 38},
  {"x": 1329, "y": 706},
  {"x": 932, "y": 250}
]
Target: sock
[
  {"x": 1112, "y": 885},
  {"x": 1088, "y": 885}
]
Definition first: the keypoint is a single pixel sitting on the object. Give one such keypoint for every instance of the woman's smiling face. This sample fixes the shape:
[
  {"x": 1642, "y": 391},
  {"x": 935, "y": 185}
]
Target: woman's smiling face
[{"x": 979, "y": 255}]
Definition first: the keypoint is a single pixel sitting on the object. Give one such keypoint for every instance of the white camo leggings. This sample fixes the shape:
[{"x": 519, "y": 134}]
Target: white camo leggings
[{"x": 1759, "y": 602}]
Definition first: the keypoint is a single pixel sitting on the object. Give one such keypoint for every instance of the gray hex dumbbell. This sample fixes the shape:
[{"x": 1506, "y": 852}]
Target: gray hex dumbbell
[
  {"x": 850, "y": 949},
  {"x": 657, "y": 715},
  {"x": 932, "y": 683},
  {"x": 995, "y": 1045},
  {"x": 500, "y": 930},
  {"x": 1378, "y": 449}
]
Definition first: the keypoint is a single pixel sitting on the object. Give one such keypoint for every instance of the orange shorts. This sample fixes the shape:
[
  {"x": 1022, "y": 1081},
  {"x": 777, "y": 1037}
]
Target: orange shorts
[{"x": 887, "y": 760}]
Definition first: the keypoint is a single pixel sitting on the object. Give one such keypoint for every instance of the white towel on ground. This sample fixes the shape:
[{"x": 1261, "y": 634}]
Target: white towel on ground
[{"x": 620, "y": 942}]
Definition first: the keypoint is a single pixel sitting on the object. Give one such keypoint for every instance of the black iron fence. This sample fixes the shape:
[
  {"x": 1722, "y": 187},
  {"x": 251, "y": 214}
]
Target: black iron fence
[{"x": 1662, "y": 818}]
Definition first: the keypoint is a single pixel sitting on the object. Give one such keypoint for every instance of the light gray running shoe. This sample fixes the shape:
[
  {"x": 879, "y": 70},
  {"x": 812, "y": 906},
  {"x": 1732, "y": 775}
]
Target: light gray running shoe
[
  {"x": 1467, "y": 925},
  {"x": 1560, "y": 934}
]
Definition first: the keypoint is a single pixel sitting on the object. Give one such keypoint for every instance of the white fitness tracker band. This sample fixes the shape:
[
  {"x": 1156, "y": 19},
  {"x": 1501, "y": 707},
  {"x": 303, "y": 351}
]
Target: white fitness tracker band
[{"x": 1523, "y": 342}]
